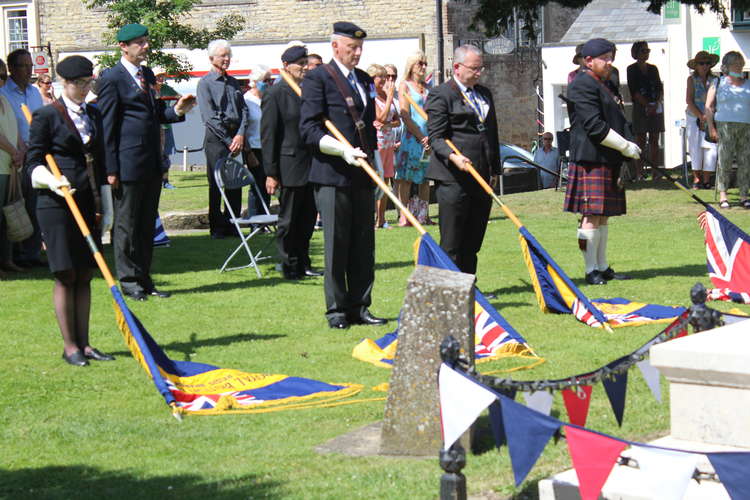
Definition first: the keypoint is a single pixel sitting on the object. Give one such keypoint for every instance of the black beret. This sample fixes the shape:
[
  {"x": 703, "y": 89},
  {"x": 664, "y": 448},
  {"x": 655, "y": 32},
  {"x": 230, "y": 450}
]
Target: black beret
[
  {"x": 73, "y": 67},
  {"x": 293, "y": 53},
  {"x": 131, "y": 32},
  {"x": 596, "y": 47},
  {"x": 349, "y": 30}
]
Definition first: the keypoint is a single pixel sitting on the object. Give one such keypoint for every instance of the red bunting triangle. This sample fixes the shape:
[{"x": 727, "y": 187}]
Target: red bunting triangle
[
  {"x": 577, "y": 404},
  {"x": 593, "y": 457}
]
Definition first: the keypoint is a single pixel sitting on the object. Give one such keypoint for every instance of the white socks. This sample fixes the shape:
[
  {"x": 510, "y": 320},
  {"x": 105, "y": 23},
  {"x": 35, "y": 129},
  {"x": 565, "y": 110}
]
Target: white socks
[
  {"x": 601, "y": 253},
  {"x": 588, "y": 242}
]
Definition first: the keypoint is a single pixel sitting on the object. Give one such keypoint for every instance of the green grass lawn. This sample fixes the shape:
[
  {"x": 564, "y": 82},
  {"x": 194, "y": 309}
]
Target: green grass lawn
[{"x": 104, "y": 431}]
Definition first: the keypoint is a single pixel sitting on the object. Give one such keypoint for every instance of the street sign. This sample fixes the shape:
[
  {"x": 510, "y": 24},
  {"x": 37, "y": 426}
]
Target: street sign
[
  {"x": 671, "y": 12},
  {"x": 41, "y": 62},
  {"x": 712, "y": 45}
]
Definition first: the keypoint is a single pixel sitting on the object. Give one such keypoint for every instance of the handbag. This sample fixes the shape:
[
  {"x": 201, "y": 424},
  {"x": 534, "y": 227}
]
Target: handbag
[{"x": 17, "y": 220}]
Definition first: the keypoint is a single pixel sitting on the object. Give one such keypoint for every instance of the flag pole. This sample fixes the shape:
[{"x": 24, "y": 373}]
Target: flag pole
[
  {"x": 361, "y": 161},
  {"x": 481, "y": 181},
  {"x": 98, "y": 257},
  {"x": 488, "y": 189},
  {"x": 666, "y": 174}
]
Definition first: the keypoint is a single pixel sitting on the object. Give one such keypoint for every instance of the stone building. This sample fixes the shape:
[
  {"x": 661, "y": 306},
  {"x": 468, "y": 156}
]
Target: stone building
[{"x": 395, "y": 29}]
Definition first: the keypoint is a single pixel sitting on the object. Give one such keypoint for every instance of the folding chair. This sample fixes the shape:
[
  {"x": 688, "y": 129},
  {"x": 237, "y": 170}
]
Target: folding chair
[{"x": 231, "y": 174}]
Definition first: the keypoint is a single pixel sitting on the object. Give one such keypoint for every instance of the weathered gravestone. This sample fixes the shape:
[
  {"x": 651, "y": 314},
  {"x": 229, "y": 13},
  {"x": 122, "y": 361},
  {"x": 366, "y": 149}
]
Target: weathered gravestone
[{"x": 438, "y": 302}]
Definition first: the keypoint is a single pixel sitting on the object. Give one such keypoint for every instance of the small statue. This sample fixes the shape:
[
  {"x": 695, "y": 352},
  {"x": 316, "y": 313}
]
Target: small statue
[{"x": 701, "y": 317}]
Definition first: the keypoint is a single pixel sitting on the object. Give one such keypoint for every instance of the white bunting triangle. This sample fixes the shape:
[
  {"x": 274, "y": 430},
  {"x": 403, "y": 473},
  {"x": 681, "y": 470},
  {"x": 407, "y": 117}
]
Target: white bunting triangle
[
  {"x": 461, "y": 402},
  {"x": 651, "y": 375},
  {"x": 540, "y": 401},
  {"x": 667, "y": 473}
]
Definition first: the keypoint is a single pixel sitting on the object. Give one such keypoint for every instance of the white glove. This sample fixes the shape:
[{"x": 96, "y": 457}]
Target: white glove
[
  {"x": 107, "y": 208},
  {"x": 41, "y": 178},
  {"x": 619, "y": 143},
  {"x": 333, "y": 147}
]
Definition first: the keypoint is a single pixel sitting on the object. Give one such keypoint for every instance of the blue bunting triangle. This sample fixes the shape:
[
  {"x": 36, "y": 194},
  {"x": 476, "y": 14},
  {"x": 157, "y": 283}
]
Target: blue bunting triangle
[
  {"x": 732, "y": 468},
  {"x": 496, "y": 418},
  {"x": 527, "y": 432},
  {"x": 616, "y": 388}
]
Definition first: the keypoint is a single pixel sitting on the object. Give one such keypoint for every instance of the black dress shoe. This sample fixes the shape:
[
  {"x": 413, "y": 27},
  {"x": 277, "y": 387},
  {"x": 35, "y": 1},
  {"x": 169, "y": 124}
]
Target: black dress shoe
[
  {"x": 610, "y": 274},
  {"x": 75, "y": 359},
  {"x": 97, "y": 355},
  {"x": 158, "y": 293},
  {"x": 368, "y": 319},
  {"x": 138, "y": 295},
  {"x": 338, "y": 323},
  {"x": 311, "y": 273},
  {"x": 595, "y": 278}
]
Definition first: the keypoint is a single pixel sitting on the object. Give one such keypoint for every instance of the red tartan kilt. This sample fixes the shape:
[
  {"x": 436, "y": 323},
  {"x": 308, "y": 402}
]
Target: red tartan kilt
[{"x": 592, "y": 190}]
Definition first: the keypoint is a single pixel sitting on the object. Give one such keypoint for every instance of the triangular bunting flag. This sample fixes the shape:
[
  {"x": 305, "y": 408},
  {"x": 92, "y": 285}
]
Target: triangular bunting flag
[
  {"x": 527, "y": 432},
  {"x": 496, "y": 418},
  {"x": 651, "y": 375},
  {"x": 616, "y": 388},
  {"x": 732, "y": 468},
  {"x": 540, "y": 401},
  {"x": 577, "y": 402},
  {"x": 461, "y": 402},
  {"x": 666, "y": 472},
  {"x": 593, "y": 457}
]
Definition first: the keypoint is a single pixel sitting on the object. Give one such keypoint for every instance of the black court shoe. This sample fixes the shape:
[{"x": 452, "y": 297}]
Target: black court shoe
[
  {"x": 97, "y": 355},
  {"x": 595, "y": 278},
  {"x": 75, "y": 359}
]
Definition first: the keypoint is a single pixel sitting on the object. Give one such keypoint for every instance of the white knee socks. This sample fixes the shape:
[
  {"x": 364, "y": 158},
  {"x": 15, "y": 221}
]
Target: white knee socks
[
  {"x": 601, "y": 253},
  {"x": 588, "y": 242}
]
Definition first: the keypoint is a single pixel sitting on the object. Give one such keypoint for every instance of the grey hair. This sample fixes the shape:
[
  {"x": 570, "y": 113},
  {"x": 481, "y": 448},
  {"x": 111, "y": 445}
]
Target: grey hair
[
  {"x": 729, "y": 59},
  {"x": 257, "y": 72},
  {"x": 459, "y": 55},
  {"x": 215, "y": 45}
]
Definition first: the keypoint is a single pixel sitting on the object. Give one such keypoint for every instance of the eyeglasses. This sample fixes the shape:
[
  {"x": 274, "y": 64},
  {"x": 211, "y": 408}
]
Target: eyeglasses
[
  {"x": 546, "y": 138},
  {"x": 390, "y": 77},
  {"x": 475, "y": 70},
  {"x": 645, "y": 51}
]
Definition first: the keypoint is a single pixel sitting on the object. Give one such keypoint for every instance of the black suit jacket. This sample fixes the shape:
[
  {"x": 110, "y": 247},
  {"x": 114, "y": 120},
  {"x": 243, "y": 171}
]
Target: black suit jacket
[
  {"x": 322, "y": 99},
  {"x": 131, "y": 119},
  {"x": 285, "y": 155},
  {"x": 51, "y": 133},
  {"x": 450, "y": 117},
  {"x": 593, "y": 111}
]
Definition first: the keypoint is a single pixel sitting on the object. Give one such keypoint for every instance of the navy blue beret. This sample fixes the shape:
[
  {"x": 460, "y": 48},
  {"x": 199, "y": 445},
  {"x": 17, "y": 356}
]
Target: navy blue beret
[
  {"x": 73, "y": 67},
  {"x": 293, "y": 53},
  {"x": 596, "y": 47},
  {"x": 349, "y": 30}
]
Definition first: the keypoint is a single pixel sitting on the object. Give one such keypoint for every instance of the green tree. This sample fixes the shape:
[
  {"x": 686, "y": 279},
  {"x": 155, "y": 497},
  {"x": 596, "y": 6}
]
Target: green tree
[
  {"x": 492, "y": 16},
  {"x": 165, "y": 20}
]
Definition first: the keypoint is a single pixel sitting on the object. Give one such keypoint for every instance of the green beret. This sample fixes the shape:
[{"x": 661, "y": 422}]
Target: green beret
[{"x": 131, "y": 31}]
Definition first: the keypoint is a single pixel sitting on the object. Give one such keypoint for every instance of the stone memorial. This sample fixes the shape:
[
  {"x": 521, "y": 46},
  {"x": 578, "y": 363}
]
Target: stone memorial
[{"x": 438, "y": 302}]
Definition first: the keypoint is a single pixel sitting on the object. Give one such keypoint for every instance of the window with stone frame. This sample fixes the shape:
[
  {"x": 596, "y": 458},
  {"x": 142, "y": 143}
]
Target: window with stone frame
[{"x": 16, "y": 28}]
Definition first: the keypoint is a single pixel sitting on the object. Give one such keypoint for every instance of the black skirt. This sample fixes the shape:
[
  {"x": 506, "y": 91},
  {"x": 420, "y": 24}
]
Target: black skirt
[{"x": 66, "y": 246}]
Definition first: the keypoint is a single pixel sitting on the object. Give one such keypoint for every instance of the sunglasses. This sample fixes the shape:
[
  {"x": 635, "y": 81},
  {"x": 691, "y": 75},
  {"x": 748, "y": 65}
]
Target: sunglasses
[
  {"x": 45, "y": 83},
  {"x": 390, "y": 77},
  {"x": 703, "y": 63}
]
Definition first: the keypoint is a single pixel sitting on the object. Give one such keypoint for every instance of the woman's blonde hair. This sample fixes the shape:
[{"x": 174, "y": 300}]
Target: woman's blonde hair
[
  {"x": 730, "y": 59},
  {"x": 411, "y": 61},
  {"x": 376, "y": 70}
]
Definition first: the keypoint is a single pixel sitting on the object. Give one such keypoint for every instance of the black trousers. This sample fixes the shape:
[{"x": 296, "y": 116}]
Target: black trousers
[
  {"x": 136, "y": 206},
  {"x": 349, "y": 235},
  {"x": 296, "y": 225},
  {"x": 218, "y": 219},
  {"x": 464, "y": 212}
]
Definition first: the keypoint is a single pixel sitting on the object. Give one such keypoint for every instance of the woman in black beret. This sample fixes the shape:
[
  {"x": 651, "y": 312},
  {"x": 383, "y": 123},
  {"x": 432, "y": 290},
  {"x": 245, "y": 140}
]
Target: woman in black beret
[
  {"x": 72, "y": 133},
  {"x": 600, "y": 140}
]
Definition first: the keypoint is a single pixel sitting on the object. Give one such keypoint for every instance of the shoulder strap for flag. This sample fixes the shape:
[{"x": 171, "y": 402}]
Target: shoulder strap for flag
[{"x": 346, "y": 93}]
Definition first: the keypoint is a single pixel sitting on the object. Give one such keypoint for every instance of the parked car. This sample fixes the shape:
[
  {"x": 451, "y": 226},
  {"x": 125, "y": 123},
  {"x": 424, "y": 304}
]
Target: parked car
[{"x": 519, "y": 173}]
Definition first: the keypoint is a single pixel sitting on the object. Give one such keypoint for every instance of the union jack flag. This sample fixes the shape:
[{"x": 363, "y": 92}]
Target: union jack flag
[{"x": 727, "y": 254}]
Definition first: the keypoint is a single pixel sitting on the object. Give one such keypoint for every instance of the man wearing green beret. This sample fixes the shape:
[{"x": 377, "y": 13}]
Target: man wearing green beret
[{"x": 132, "y": 116}]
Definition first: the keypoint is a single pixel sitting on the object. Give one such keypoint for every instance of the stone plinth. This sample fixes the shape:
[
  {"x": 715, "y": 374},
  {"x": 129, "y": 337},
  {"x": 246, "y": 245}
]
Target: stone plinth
[
  {"x": 437, "y": 303},
  {"x": 709, "y": 376}
]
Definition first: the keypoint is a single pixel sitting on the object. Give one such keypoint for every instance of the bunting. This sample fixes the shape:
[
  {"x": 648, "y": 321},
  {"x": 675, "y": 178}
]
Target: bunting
[
  {"x": 577, "y": 401},
  {"x": 556, "y": 293},
  {"x": 727, "y": 254},
  {"x": 202, "y": 389},
  {"x": 494, "y": 337},
  {"x": 666, "y": 472}
]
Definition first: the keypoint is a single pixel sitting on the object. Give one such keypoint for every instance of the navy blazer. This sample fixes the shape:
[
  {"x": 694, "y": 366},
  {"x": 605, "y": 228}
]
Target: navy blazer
[
  {"x": 51, "y": 133},
  {"x": 322, "y": 99},
  {"x": 285, "y": 155},
  {"x": 450, "y": 117},
  {"x": 132, "y": 119},
  {"x": 593, "y": 110}
]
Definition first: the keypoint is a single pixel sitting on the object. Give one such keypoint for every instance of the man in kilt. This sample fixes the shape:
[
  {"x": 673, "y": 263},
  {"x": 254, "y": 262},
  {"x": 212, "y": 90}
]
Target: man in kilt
[{"x": 600, "y": 140}]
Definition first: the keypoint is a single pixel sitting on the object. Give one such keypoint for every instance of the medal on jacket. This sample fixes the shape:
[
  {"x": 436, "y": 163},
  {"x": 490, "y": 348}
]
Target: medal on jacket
[{"x": 475, "y": 106}]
